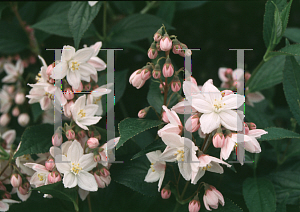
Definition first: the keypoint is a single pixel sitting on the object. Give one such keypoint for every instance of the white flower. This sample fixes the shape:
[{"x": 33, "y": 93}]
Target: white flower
[
  {"x": 74, "y": 65},
  {"x": 75, "y": 168},
  {"x": 5, "y": 100},
  {"x": 54, "y": 150},
  {"x": 40, "y": 177},
  {"x": 9, "y": 137},
  {"x": 254, "y": 97},
  {"x": 217, "y": 110},
  {"x": 208, "y": 163},
  {"x": 13, "y": 72},
  {"x": 4, "y": 204},
  {"x": 92, "y": 3},
  {"x": 96, "y": 95},
  {"x": 83, "y": 114},
  {"x": 157, "y": 168},
  {"x": 107, "y": 152},
  {"x": 182, "y": 150},
  {"x": 174, "y": 126}
]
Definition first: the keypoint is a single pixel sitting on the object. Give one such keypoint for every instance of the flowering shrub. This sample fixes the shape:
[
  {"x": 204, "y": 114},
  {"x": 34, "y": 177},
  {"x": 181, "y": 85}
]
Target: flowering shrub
[{"x": 86, "y": 132}]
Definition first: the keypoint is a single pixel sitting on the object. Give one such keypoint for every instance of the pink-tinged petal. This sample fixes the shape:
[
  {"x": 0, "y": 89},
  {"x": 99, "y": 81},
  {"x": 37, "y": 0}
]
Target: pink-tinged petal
[
  {"x": 9, "y": 137},
  {"x": 216, "y": 168},
  {"x": 185, "y": 170},
  {"x": 39, "y": 168},
  {"x": 257, "y": 133},
  {"x": 209, "y": 122},
  {"x": 10, "y": 69},
  {"x": 255, "y": 97},
  {"x": 90, "y": 120},
  {"x": 55, "y": 151},
  {"x": 3, "y": 206},
  {"x": 87, "y": 162},
  {"x": 241, "y": 153},
  {"x": 97, "y": 46},
  {"x": 69, "y": 180},
  {"x": 24, "y": 197},
  {"x": 184, "y": 107},
  {"x": 169, "y": 154},
  {"x": 94, "y": 77},
  {"x": 20, "y": 67},
  {"x": 75, "y": 152},
  {"x": 153, "y": 156},
  {"x": 232, "y": 101},
  {"x": 172, "y": 116},
  {"x": 83, "y": 194},
  {"x": 227, "y": 149},
  {"x": 81, "y": 125},
  {"x": 62, "y": 164},
  {"x": 220, "y": 196},
  {"x": 201, "y": 105},
  {"x": 86, "y": 69},
  {"x": 152, "y": 176},
  {"x": 100, "y": 110},
  {"x": 83, "y": 55},
  {"x": 10, "y": 201},
  {"x": 45, "y": 103},
  {"x": 91, "y": 109},
  {"x": 87, "y": 181},
  {"x": 172, "y": 140},
  {"x": 231, "y": 120},
  {"x": 43, "y": 61},
  {"x": 85, "y": 78},
  {"x": 60, "y": 70},
  {"x": 9, "y": 79},
  {"x": 161, "y": 179},
  {"x": 73, "y": 79},
  {"x": 205, "y": 201},
  {"x": 190, "y": 89},
  {"x": 67, "y": 53},
  {"x": 238, "y": 74},
  {"x": 169, "y": 128},
  {"x": 197, "y": 175},
  {"x": 253, "y": 146},
  {"x": 97, "y": 63},
  {"x": 221, "y": 74}
]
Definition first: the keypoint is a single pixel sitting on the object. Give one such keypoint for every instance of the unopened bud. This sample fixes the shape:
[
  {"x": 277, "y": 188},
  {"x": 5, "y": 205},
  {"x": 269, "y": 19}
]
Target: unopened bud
[
  {"x": 92, "y": 143},
  {"x": 50, "y": 164},
  {"x": 168, "y": 69},
  {"x": 24, "y": 188},
  {"x": 15, "y": 112},
  {"x": 156, "y": 73},
  {"x": 23, "y": 119},
  {"x": 102, "y": 181},
  {"x": 193, "y": 123},
  {"x": 252, "y": 126},
  {"x": 165, "y": 43},
  {"x": 4, "y": 119},
  {"x": 97, "y": 158},
  {"x": 142, "y": 113},
  {"x": 161, "y": 87},
  {"x": 165, "y": 117},
  {"x": 70, "y": 134},
  {"x": 79, "y": 88},
  {"x": 152, "y": 51},
  {"x": 57, "y": 139},
  {"x": 49, "y": 70},
  {"x": 146, "y": 72},
  {"x": 247, "y": 76},
  {"x": 104, "y": 172},
  {"x": 176, "y": 46},
  {"x": 54, "y": 177},
  {"x": 81, "y": 134},
  {"x": 19, "y": 98},
  {"x": 69, "y": 94},
  {"x": 6, "y": 195},
  {"x": 218, "y": 140},
  {"x": 16, "y": 180},
  {"x": 158, "y": 35},
  {"x": 32, "y": 59},
  {"x": 87, "y": 86},
  {"x": 175, "y": 84},
  {"x": 166, "y": 192},
  {"x": 194, "y": 205}
]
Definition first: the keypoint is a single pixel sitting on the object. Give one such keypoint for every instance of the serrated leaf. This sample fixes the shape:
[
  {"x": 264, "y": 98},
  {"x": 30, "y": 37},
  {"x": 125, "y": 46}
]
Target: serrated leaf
[
  {"x": 156, "y": 145},
  {"x": 57, "y": 190},
  {"x": 268, "y": 75},
  {"x": 276, "y": 133},
  {"x": 268, "y": 22},
  {"x": 35, "y": 140},
  {"x": 36, "y": 111},
  {"x": 291, "y": 86},
  {"x": 292, "y": 33},
  {"x": 54, "y": 9},
  {"x": 278, "y": 25},
  {"x": 284, "y": 15},
  {"x": 80, "y": 17},
  {"x": 130, "y": 127},
  {"x": 259, "y": 195},
  {"x": 262, "y": 120},
  {"x": 126, "y": 7},
  {"x": 136, "y": 27},
  {"x": 291, "y": 50}
]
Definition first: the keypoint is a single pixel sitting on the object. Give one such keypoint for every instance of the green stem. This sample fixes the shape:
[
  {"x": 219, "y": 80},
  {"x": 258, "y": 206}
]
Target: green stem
[
  {"x": 89, "y": 203},
  {"x": 170, "y": 98},
  {"x": 148, "y": 7},
  {"x": 184, "y": 189},
  {"x": 176, "y": 207}
]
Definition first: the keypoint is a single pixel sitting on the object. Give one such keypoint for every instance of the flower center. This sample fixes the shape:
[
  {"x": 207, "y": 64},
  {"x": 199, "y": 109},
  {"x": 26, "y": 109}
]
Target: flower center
[
  {"x": 218, "y": 105},
  {"x": 180, "y": 155},
  {"x": 50, "y": 96},
  {"x": 74, "y": 65},
  {"x": 41, "y": 177},
  {"x": 76, "y": 168},
  {"x": 152, "y": 168},
  {"x": 206, "y": 167},
  {"x": 82, "y": 113},
  {"x": 97, "y": 100}
]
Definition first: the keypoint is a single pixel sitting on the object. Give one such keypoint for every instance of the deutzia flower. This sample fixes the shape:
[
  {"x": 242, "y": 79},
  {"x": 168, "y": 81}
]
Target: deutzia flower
[
  {"x": 9, "y": 137},
  {"x": 206, "y": 163},
  {"x": 108, "y": 151},
  {"x": 40, "y": 177},
  {"x": 13, "y": 72},
  {"x": 74, "y": 65},
  {"x": 4, "y": 204},
  {"x": 182, "y": 150},
  {"x": 76, "y": 167},
  {"x": 5, "y": 100},
  {"x": 157, "y": 168},
  {"x": 83, "y": 114},
  {"x": 96, "y": 95},
  {"x": 217, "y": 109}
]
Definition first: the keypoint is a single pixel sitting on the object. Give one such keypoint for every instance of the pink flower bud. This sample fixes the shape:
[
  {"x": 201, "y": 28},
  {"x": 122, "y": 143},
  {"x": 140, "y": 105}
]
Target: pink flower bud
[
  {"x": 2, "y": 187},
  {"x": 183, "y": 47},
  {"x": 176, "y": 46},
  {"x": 212, "y": 197},
  {"x": 15, "y": 111},
  {"x": 218, "y": 140},
  {"x": 152, "y": 53},
  {"x": 161, "y": 87},
  {"x": 87, "y": 87},
  {"x": 6, "y": 195},
  {"x": 50, "y": 164},
  {"x": 102, "y": 181},
  {"x": 252, "y": 126},
  {"x": 168, "y": 69},
  {"x": 246, "y": 128},
  {"x": 32, "y": 59},
  {"x": 16, "y": 180},
  {"x": 57, "y": 139},
  {"x": 97, "y": 158},
  {"x": 17, "y": 57},
  {"x": 136, "y": 79},
  {"x": 67, "y": 109},
  {"x": 10, "y": 89},
  {"x": 49, "y": 70},
  {"x": 157, "y": 36},
  {"x": 165, "y": 193},
  {"x": 92, "y": 143},
  {"x": 70, "y": 134},
  {"x": 247, "y": 76},
  {"x": 226, "y": 92},
  {"x": 146, "y": 74},
  {"x": 4, "y": 119},
  {"x": 156, "y": 74},
  {"x": 165, "y": 43},
  {"x": 20, "y": 98},
  {"x": 24, "y": 188},
  {"x": 228, "y": 73},
  {"x": 23, "y": 119},
  {"x": 81, "y": 134},
  {"x": 194, "y": 206},
  {"x": 158, "y": 47},
  {"x": 192, "y": 124},
  {"x": 54, "y": 177},
  {"x": 142, "y": 114},
  {"x": 175, "y": 84},
  {"x": 79, "y": 89},
  {"x": 193, "y": 80},
  {"x": 25, "y": 63},
  {"x": 104, "y": 172},
  {"x": 69, "y": 94},
  {"x": 165, "y": 117}
]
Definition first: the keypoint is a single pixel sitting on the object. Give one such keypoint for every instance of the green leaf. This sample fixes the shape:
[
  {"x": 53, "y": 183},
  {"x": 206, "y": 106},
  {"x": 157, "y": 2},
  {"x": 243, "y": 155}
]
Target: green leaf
[
  {"x": 130, "y": 127},
  {"x": 12, "y": 38},
  {"x": 27, "y": 12},
  {"x": 3, "y": 5},
  {"x": 268, "y": 22},
  {"x": 293, "y": 33},
  {"x": 166, "y": 6},
  {"x": 268, "y": 75},
  {"x": 136, "y": 27},
  {"x": 187, "y": 5},
  {"x": 125, "y": 7},
  {"x": 156, "y": 145},
  {"x": 284, "y": 15},
  {"x": 57, "y": 190},
  {"x": 36, "y": 139},
  {"x": 156, "y": 98},
  {"x": 262, "y": 120},
  {"x": 36, "y": 111},
  {"x": 282, "y": 206},
  {"x": 291, "y": 50},
  {"x": 278, "y": 26},
  {"x": 259, "y": 195},
  {"x": 80, "y": 17},
  {"x": 132, "y": 175},
  {"x": 287, "y": 183},
  {"x": 120, "y": 83},
  {"x": 291, "y": 86},
  {"x": 55, "y": 9},
  {"x": 276, "y": 133}
]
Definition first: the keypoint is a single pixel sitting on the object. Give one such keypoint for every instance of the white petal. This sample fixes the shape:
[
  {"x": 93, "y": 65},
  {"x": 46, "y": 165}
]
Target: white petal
[
  {"x": 257, "y": 133},
  {"x": 90, "y": 120},
  {"x": 153, "y": 156},
  {"x": 184, "y": 107},
  {"x": 65, "y": 146},
  {"x": 87, "y": 162},
  {"x": 69, "y": 180},
  {"x": 197, "y": 175},
  {"x": 169, "y": 154},
  {"x": 215, "y": 167},
  {"x": 172, "y": 116},
  {"x": 83, "y": 55},
  {"x": 231, "y": 120},
  {"x": 221, "y": 74},
  {"x": 209, "y": 122},
  {"x": 3, "y": 206},
  {"x": 169, "y": 128},
  {"x": 67, "y": 53},
  {"x": 152, "y": 176},
  {"x": 91, "y": 109},
  {"x": 161, "y": 179},
  {"x": 75, "y": 152},
  {"x": 60, "y": 70},
  {"x": 87, "y": 181},
  {"x": 97, "y": 63},
  {"x": 73, "y": 79},
  {"x": 172, "y": 140},
  {"x": 62, "y": 164},
  {"x": 238, "y": 74},
  {"x": 233, "y": 101},
  {"x": 185, "y": 169},
  {"x": 241, "y": 153},
  {"x": 83, "y": 194},
  {"x": 201, "y": 105},
  {"x": 86, "y": 69}
]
